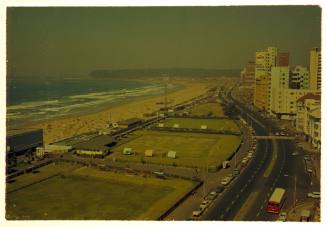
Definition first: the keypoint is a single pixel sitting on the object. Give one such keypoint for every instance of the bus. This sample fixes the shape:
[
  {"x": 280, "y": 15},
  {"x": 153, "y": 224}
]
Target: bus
[{"x": 276, "y": 201}]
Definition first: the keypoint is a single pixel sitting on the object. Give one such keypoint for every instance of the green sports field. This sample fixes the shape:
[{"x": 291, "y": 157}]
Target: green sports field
[
  {"x": 91, "y": 194},
  {"x": 193, "y": 149},
  {"x": 194, "y": 123},
  {"x": 207, "y": 109}
]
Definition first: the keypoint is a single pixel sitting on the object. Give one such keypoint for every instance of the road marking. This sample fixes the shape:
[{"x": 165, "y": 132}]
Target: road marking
[
  {"x": 246, "y": 206},
  {"x": 242, "y": 189},
  {"x": 273, "y": 160},
  {"x": 237, "y": 196},
  {"x": 233, "y": 202}
]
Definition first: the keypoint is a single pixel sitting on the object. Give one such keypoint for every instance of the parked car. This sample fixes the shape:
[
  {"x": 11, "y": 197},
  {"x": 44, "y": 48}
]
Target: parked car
[
  {"x": 315, "y": 195},
  {"x": 226, "y": 181},
  {"x": 198, "y": 212},
  {"x": 220, "y": 189},
  {"x": 236, "y": 172},
  {"x": 231, "y": 176},
  {"x": 282, "y": 216},
  {"x": 204, "y": 204},
  {"x": 212, "y": 195}
]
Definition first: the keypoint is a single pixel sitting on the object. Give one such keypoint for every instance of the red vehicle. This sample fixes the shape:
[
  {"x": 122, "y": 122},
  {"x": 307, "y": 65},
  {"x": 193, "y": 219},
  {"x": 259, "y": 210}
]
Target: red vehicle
[{"x": 276, "y": 201}]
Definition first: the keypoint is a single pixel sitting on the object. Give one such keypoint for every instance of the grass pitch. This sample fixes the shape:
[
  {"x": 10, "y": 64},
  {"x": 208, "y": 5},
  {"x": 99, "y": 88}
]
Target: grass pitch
[
  {"x": 208, "y": 109},
  {"x": 215, "y": 124},
  {"x": 193, "y": 149},
  {"x": 88, "y": 193}
]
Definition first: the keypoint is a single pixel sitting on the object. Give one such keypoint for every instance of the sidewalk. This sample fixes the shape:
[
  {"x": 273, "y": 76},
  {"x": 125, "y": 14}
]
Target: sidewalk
[{"x": 294, "y": 214}]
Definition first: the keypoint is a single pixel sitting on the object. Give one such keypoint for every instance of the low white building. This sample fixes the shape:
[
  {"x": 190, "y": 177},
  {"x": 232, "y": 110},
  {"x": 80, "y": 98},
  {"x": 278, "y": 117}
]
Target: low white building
[
  {"x": 308, "y": 118},
  {"x": 303, "y": 104},
  {"x": 314, "y": 128}
]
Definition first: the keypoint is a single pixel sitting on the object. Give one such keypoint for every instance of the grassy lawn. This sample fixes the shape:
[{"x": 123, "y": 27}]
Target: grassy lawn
[
  {"x": 88, "y": 193},
  {"x": 193, "y": 149},
  {"x": 40, "y": 173},
  {"x": 205, "y": 109},
  {"x": 215, "y": 124}
]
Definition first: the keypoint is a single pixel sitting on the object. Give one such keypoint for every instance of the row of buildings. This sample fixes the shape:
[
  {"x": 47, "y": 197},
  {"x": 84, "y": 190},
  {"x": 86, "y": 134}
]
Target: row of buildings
[{"x": 287, "y": 93}]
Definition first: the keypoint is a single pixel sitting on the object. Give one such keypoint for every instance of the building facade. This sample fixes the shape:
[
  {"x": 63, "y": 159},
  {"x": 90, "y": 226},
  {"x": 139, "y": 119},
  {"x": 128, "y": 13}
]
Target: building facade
[
  {"x": 299, "y": 78},
  {"x": 315, "y": 68},
  {"x": 263, "y": 62},
  {"x": 283, "y": 59},
  {"x": 248, "y": 74},
  {"x": 303, "y": 104},
  {"x": 284, "y": 99},
  {"x": 314, "y": 128}
]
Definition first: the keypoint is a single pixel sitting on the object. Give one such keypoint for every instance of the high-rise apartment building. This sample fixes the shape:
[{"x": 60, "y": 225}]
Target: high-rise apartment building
[
  {"x": 247, "y": 74},
  {"x": 283, "y": 99},
  {"x": 315, "y": 68},
  {"x": 299, "y": 78},
  {"x": 263, "y": 62}
]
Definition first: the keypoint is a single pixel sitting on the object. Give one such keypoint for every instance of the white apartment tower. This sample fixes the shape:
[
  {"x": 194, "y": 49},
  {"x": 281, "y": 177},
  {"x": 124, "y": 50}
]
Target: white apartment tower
[{"x": 315, "y": 68}]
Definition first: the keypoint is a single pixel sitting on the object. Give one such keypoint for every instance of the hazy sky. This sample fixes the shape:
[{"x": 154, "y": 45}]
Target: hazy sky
[{"x": 52, "y": 41}]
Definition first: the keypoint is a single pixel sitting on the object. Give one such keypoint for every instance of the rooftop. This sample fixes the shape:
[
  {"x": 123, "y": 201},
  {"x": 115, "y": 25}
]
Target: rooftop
[
  {"x": 102, "y": 142},
  {"x": 309, "y": 96},
  {"x": 129, "y": 121},
  {"x": 14, "y": 132}
]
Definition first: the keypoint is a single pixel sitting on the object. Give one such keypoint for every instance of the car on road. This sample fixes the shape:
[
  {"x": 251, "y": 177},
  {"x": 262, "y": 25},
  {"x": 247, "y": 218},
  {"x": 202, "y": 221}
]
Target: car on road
[
  {"x": 197, "y": 212},
  {"x": 305, "y": 215},
  {"x": 277, "y": 134},
  {"x": 315, "y": 195},
  {"x": 282, "y": 216}
]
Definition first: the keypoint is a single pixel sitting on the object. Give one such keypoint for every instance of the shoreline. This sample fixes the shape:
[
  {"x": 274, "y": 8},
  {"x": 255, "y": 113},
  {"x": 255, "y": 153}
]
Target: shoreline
[
  {"x": 92, "y": 110},
  {"x": 68, "y": 126}
]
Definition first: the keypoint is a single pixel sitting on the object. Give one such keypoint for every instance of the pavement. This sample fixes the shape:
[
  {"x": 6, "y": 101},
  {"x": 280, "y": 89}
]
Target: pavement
[{"x": 294, "y": 213}]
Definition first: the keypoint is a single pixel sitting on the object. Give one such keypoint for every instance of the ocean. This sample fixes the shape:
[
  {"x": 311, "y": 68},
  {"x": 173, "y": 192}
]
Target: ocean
[{"x": 30, "y": 100}]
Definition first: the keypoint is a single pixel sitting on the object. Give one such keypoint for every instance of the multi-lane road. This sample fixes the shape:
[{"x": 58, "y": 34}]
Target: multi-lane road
[{"x": 274, "y": 165}]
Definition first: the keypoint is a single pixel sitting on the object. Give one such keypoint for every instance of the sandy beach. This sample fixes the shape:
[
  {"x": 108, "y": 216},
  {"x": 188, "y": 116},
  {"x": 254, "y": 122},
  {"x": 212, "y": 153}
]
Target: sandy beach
[{"x": 58, "y": 129}]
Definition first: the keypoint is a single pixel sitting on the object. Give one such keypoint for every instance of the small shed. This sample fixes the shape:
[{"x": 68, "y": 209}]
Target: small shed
[
  {"x": 176, "y": 125},
  {"x": 128, "y": 151},
  {"x": 204, "y": 127},
  {"x": 171, "y": 154},
  {"x": 148, "y": 153}
]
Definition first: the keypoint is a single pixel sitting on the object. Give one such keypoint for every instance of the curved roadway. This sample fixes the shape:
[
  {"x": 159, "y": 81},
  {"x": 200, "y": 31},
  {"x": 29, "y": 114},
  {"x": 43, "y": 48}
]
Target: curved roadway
[{"x": 272, "y": 166}]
